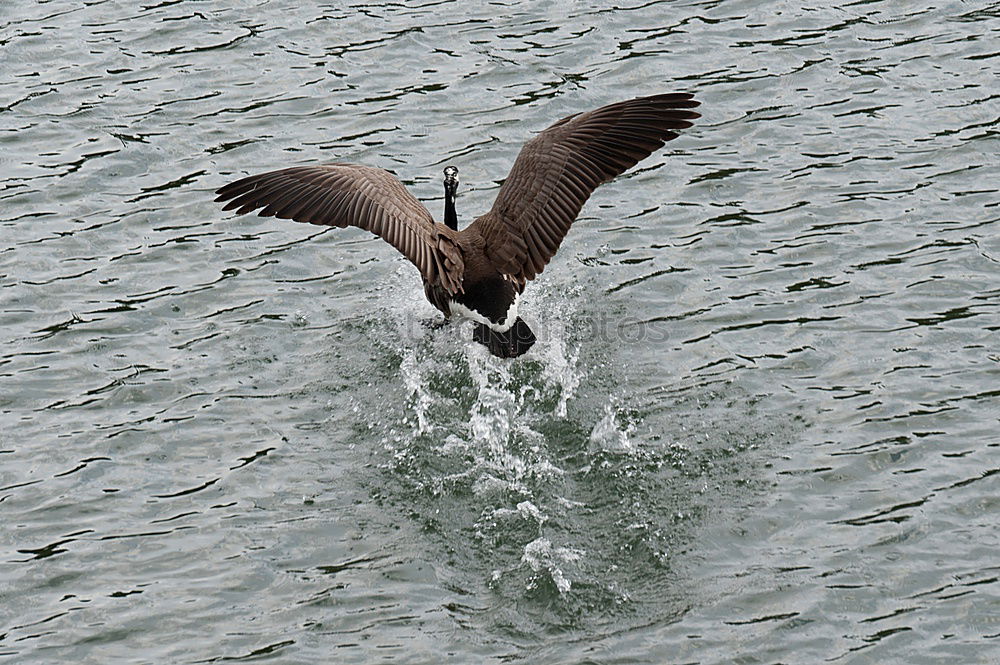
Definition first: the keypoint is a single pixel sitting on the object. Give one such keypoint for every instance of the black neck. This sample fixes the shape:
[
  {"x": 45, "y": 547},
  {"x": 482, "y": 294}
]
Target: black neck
[{"x": 450, "y": 218}]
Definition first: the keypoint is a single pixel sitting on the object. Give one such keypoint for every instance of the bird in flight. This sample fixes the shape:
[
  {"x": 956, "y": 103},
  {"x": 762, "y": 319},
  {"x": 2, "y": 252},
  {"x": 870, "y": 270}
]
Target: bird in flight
[{"x": 479, "y": 272}]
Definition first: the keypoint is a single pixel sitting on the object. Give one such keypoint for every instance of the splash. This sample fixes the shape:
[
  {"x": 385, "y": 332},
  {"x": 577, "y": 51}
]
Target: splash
[
  {"x": 545, "y": 561},
  {"x": 568, "y": 503},
  {"x": 477, "y": 427},
  {"x": 561, "y": 364},
  {"x": 415, "y": 380},
  {"x": 608, "y": 436}
]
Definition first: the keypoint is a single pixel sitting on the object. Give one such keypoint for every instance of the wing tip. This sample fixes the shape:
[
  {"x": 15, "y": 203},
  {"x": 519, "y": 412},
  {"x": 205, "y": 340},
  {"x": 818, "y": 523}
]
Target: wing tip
[{"x": 677, "y": 100}]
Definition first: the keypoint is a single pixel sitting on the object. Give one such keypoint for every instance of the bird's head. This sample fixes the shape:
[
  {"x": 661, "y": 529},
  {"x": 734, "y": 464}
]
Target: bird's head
[{"x": 450, "y": 180}]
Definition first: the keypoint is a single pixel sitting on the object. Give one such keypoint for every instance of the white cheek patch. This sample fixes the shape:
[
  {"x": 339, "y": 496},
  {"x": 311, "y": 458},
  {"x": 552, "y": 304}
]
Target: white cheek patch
[{"x": 508, "y": 320}]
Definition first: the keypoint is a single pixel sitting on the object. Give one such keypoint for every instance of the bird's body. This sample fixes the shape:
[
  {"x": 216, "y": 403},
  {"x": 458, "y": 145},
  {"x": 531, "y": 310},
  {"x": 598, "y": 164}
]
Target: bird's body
[{"x": 479, "y": 272}]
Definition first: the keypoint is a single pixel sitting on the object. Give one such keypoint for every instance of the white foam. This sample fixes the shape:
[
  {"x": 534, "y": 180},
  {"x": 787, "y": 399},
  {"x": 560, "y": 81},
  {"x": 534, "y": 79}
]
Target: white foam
[
  {"x": 541, "y": 557},
  {"x": 416, "y": 385},
  {"x": 608, "y": 436},
  {"x": 560, "y": 367}
]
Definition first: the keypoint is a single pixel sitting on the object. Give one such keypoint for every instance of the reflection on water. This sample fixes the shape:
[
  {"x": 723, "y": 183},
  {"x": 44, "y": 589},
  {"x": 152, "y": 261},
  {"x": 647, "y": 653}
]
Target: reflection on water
[{"x": 759, "y": 425}]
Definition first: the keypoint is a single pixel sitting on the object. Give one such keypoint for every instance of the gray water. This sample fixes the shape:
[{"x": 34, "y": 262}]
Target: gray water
[{"x": 760, "y": 425}]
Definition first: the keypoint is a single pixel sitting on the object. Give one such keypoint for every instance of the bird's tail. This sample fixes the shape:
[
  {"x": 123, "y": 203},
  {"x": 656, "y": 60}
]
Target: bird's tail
[{"x": 508, "y": 344}]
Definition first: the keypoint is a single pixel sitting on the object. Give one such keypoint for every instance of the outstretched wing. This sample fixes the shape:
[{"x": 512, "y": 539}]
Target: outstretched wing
[
  {"x": 353, "y": 195},
  {"x": 558, "y": 170}
]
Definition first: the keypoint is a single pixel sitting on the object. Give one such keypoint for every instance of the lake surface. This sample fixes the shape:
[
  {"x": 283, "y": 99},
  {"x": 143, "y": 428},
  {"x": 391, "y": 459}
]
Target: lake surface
[{"x": 761, "y": 423}]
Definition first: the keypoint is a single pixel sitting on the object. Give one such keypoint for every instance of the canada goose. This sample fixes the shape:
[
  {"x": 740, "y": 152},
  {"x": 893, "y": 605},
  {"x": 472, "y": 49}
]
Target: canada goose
[{"x": 480, "y": 271}]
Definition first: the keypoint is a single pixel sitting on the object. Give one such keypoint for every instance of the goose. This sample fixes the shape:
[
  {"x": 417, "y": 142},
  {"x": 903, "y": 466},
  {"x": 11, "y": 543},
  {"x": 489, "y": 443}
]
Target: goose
[{"x": 479, "y": 272}]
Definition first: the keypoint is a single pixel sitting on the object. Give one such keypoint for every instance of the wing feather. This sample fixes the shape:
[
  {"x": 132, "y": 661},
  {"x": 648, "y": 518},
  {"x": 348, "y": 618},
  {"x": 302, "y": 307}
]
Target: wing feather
[
  {"x": 557, "y": 171},
  {"x": 354, "y": 195}
]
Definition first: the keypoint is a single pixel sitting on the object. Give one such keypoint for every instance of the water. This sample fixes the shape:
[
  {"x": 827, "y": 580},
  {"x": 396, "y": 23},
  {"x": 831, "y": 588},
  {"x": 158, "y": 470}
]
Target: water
[{"x": 760, "y": 424}]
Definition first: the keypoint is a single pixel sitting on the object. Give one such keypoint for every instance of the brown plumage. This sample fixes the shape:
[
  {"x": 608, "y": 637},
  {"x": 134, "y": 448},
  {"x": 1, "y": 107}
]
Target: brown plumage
[
  {"x": 479, "y": 272},
  {"x": 354, "y": 195}
]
